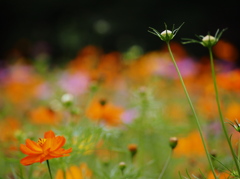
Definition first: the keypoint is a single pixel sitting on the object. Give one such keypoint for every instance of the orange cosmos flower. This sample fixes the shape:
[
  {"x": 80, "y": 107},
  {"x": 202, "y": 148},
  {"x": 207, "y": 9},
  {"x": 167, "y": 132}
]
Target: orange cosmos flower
[
  {"x": 229, "y": 80},
  {"x": 190, "y": 145},
  {"x": 8, "y": 127},
  {"x": 44, "y": 115},
  {"x": 46, "y": 148},
  {"x": 226, "y": 51},
  {"x": 106, "y": 112}
]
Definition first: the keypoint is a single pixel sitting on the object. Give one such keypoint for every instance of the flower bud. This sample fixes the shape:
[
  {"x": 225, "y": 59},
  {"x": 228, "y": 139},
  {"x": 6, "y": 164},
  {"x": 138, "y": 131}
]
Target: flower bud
[
  {"x": 142, "y": 91},
  {"x": 103, "y": 102},
  {"x": 122, "y": 166},
  {"x": 208, "y": 41},
  {"x": 213, "y": 153},
  {"x": 133, "y": 149},
  {"x": 67, "y": 99},
  {"x": 167, "y": 35},
  {"x": 173, "y": 141}
]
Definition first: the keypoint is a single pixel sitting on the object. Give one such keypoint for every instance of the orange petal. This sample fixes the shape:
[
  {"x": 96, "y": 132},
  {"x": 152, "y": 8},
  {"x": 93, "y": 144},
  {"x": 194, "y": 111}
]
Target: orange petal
[
  {"x": 30, "y": 160},
  {"x": 49, "y": 134},
  {"x": 60, "y": 174},
  {"x": 58, "y": 143},
  {"x": 45, "y": 156},
  {"x": 48, "y": 144},
  {"x": 74, "y": 172},
  {"x": 33, "y": 145},
  {"x": 60, "y": 152},
  {"x": 28, "y": 151}
]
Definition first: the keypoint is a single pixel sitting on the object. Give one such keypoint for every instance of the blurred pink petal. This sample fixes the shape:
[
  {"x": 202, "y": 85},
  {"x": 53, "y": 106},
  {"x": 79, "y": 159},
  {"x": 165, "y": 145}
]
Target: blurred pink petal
[
  {"x": 129, "y": 115},
  {"x": 75, "y": 84}
]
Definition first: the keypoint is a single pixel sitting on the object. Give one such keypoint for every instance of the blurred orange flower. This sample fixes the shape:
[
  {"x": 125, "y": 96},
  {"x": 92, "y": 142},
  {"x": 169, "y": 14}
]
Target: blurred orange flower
[
  {"x": 229, "y": 80},
  {"x": 226, "y": 51},
  {"x": 44, "y": 115},
  {"x": 141, "y": 69},
  {"x": 7, "y": 127},
  {"x": 86, "y": 60},
  {"x": 21, "y": 85},
  {"x": 233, "y": 111},
  {"x": 221, "y": 175},
  {"x": 209, "y": 108},
  {"x": 75, "y": 172},
  {"x": 109, "y": 69},
  {"x": 101, "y": 110},
  {"x": 190, "y": 146},
  {"x": 46, "y": 148}
]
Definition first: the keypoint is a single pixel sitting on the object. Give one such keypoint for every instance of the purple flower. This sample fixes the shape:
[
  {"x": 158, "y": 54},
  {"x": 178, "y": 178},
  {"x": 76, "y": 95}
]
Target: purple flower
[
  {"x": 75, "y": 84},
  {"x": 44, "y": 91},
  {"x": 166, "y": 68},
  {"x": 129, "y": 115}
]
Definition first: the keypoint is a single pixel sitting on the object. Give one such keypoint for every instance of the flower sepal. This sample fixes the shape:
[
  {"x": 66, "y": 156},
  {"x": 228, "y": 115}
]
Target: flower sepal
[
  {"x": 165, "y": 35},
  {"x": 206, "y": 41},
  {"x": 235, "y": 125}
]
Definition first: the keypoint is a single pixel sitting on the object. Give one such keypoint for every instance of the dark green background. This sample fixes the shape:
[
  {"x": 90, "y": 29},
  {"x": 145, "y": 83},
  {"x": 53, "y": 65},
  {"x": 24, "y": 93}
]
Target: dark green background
[{"x": 68, "y": 25}]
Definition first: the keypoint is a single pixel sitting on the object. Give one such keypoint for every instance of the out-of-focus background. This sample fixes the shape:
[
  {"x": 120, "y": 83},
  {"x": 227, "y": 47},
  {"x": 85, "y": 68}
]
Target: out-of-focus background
[
  {"x": 90, "y": 71},
  {"x": 61, "y": 28}
]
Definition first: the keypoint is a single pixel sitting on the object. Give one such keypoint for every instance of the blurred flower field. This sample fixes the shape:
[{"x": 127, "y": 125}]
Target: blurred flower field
[{"x": 116, "y": 113}]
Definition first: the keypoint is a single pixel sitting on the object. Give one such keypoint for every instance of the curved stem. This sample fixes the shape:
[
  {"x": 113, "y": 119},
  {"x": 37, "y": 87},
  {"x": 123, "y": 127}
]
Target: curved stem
[
  {"x": 220, "y": 112},
  {"x": 193, "y": 110},
  {"x": 49, "y": 170},
  {"x": 165, "y": 165}
]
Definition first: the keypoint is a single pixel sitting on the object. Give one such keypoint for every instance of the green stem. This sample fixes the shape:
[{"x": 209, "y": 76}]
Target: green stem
[
  {"x": 238, "y": 150},
  {"x": 220, "y": 112},
  {"x": 122, "y": 173},
  {"x": 49, "y": 170},
  {"x": 193, "y": 110},
  {"x": 165, "y": 165}
]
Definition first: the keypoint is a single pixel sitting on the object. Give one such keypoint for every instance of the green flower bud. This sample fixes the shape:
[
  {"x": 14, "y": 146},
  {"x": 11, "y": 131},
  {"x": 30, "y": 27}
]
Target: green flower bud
[
  {"x": 142, "y": 91},
  {"x": 67, "y": 99},
  {"x": 173, "y": 141},
  {"x": 213, "y": 153},
  {"x": 167, "y": 35},
  {"x": 209, "y": 41},
  {"x": 122, "y": 166},
  {"x": 206, "y": 41}
]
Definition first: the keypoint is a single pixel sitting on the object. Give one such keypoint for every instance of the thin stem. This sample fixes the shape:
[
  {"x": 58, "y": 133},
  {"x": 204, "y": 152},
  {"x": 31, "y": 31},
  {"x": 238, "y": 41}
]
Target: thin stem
[
  {"x": 238, "y": 150},
  {"x": 220, "y": 112},
  {"x": 193, "y": 110},
  {"x": 49, "y": 170},
  {"x": 165, "y": 165},
  {"x": 122, "y": 173}
]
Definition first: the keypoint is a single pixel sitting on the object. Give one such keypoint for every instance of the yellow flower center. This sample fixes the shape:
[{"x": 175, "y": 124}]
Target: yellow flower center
[{"x": 41, "y": 141}]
